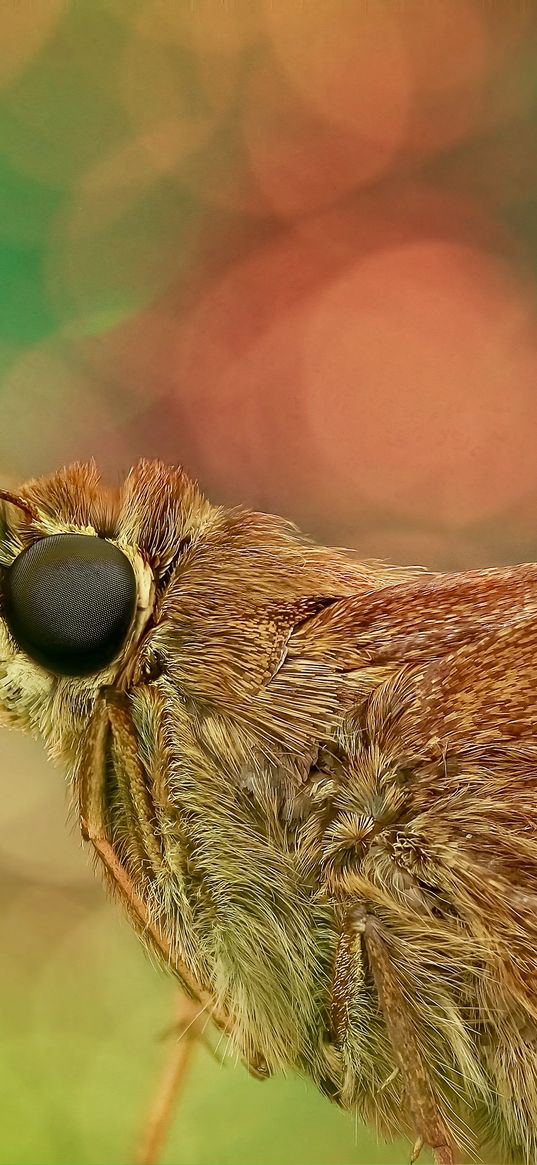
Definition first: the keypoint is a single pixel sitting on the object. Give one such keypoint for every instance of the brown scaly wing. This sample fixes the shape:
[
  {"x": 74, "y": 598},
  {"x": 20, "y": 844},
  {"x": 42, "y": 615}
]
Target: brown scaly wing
[
  {"x": 418, "y": 620},
  {"x": 432, "y": 852}
]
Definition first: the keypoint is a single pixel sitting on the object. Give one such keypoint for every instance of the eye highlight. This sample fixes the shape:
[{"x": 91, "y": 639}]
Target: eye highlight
[{"x": 69, "y": 600}]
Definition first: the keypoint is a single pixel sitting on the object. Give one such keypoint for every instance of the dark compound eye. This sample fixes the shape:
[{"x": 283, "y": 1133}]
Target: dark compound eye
[{"x": 69, "y": 600}]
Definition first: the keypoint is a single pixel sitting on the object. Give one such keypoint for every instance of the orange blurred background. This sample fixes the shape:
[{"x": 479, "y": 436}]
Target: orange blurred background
[{"x": 292, "y": 245}]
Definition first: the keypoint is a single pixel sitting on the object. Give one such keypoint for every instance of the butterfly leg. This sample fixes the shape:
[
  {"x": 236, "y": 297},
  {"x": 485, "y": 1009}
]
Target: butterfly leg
[
  {"x": 109, "y": 719},
  {"x": 93, "y": 829},
  {"x": 429, "y": 1123},
  {"x": 187, "y": 1027}
]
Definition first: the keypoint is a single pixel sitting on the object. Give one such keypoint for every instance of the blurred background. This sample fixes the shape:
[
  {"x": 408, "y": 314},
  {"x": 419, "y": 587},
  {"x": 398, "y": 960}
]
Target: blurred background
[{"x": 292, "y": 245}]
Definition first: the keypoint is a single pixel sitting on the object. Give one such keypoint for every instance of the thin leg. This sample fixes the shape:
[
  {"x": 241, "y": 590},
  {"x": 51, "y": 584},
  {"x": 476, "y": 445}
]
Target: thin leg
[
  {"x": 92, "y": 828},
  {"x": 429, "y": 1123},
  {"x": 157, "y": 1126},
  {"x": 416, "y": 1152}
]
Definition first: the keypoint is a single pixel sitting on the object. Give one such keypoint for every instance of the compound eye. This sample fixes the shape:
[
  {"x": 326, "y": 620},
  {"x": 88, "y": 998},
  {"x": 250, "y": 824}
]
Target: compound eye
[{"x": 69, "y": 600}]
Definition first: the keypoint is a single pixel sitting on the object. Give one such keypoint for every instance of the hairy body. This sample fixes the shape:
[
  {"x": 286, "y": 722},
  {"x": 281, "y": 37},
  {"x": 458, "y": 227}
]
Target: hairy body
[{"x": 313, "y": 782}]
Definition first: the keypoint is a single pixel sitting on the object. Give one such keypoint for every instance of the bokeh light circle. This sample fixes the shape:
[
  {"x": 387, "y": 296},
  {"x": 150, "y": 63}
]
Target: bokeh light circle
[
  {"x": 420, "y": 365},
  {"x": 24, "y": 31}
]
